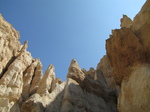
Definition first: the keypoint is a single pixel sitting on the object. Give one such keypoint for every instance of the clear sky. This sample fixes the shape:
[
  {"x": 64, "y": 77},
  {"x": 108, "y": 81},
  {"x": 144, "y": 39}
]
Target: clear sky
[{"x": 61, "y": 30}]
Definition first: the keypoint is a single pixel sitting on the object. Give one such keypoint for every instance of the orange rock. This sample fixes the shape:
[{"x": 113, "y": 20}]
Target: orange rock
[{"x": 123, "y": 50}]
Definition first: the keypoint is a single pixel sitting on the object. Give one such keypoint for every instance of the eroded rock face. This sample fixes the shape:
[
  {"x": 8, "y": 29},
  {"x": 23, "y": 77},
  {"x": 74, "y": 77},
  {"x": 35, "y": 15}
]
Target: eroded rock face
[
  {"x": 126, "y": 22},
  {"x": 134, "y": 96},
  {"x": 124, "y": 50},
  {"x": 128, "y": 50},
  {"x": 141, "y": 26},
  {"x": 87, "y": 90},
  {"x": 81, "y": 92},
  {"x": 129, "y": 45},
  {"x": 23, "y": 87},
  {"x": 9, "y": 45},
  {"x": 106, "y": 69}
]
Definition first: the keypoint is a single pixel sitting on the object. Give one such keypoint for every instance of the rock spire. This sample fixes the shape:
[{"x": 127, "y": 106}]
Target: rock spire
[{"x": 120, "y": 83}]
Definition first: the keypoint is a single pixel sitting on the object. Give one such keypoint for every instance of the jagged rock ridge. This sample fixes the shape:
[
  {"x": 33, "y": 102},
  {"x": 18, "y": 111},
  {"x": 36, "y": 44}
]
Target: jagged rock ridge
[{"x": 23, "y": 87}]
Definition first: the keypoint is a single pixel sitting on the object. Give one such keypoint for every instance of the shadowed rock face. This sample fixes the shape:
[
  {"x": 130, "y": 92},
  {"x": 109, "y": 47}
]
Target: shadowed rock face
[{"x": 23, "y": 87}]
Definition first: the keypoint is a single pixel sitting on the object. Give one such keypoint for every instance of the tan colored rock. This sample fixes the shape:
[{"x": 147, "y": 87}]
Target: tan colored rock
[
  {"x": 123, "y": 50},
  {"x": 128, "y": 52},
  {"x": 134, "y": 96},
  {"x": 142, "y": 18},
  {"x": 106, "y": 69},
  {"x": 75, "y": 72},
  {"x": 75, "y": 99},
  {"x": 46, "y": 82},
  {"x": 34, "y": 104},
  {"x": 11, "y": 83},
  {"x": 24, "y": 47},
  {"x": 126, "y": 22},
  {"x": 81, "y": 86},
  {"x": 45, "y": 103},
  {"x": 71, "y": 95},
  {"x": 27, "y": 79},
  {"x": 141, "y": 26},
  {"x": 92, "y": 72},
  {"x": 9, "y": 44},
  {"x": 13, "y": 63},
  {"x": 56, "y": 82},
  {"x": 5, "y": 105},
  {"x": 23, "y": 88},
  {"x": 54, "y": 100},
  {"x": 36, "y": 78}
]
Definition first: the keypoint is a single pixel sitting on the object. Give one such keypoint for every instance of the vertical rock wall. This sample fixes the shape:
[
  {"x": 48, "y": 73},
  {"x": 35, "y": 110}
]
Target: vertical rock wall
[{"x": 128, "y": 50}]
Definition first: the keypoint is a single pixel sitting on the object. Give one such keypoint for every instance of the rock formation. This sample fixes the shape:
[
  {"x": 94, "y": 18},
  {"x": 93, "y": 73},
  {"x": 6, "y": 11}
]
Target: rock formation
[
  {"x": 23, "y": 87},
  {"x": 128, "y": 50},
  {"x": 119, "y": 83}
]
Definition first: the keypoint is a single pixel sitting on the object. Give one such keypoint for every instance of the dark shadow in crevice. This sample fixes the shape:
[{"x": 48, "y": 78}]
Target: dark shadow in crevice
[
  {"x": 87, "y": 86},
  {"x": 7, "y": 65},
  {"x": 55, "y": 105}
]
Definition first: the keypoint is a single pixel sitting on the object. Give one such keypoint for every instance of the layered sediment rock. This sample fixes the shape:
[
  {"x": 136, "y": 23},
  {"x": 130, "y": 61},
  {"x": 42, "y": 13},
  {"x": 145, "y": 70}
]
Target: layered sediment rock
[{"x": 119, "y": 83}]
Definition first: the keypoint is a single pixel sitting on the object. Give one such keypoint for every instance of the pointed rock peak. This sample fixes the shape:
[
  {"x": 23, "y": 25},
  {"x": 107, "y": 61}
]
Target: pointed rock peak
[
  {"x": 39, "y": 65},
  {"x": 92, "y": 72},
  {"x": 25, "y": 46},
  {"x": 92, "y": 69},
  {"x": 51, "y": 67},
  {"x": 46, "y": 82},
  {"x": 126, "y": 22},
  {"x": 50, "y": 71},
  {"x": 1, "y": 17},
  {"x": 37, "y": 59},
  {"x": 74, "y": 64},
  {"x": 75, "y": 72},
  {"x": 73, "y": 61}
]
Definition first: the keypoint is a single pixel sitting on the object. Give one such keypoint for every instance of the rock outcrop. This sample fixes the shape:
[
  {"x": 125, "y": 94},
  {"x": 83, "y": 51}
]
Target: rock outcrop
[
  {"x": 23, "y": 87},
  {"x": 119, "y": 83},
  {"x": 81, "y": 92},
  {"x": 128, "y": 50}
]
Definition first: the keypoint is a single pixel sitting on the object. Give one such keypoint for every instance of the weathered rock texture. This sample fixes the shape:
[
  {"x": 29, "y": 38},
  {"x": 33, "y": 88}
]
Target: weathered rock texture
[
  {"x": 128, "y": 50},
  {"x": 121, "y": 81},
  {"x": 23, "y": 88}
]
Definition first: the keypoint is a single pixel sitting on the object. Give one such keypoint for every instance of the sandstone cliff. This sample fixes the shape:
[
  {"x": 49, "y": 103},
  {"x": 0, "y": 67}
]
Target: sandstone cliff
[{"x": 119, "y": 83}]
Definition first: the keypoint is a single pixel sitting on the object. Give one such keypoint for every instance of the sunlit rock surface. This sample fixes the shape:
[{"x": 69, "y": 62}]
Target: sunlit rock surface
[
  {"x": 119, "y": 83},
  {"x": 23, "y": 87},
  {"x": 128, "y": 50}
]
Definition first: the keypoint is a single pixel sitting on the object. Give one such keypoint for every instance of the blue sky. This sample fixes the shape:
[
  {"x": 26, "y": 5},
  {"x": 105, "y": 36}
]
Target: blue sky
[{"x": 61, "y": 30}]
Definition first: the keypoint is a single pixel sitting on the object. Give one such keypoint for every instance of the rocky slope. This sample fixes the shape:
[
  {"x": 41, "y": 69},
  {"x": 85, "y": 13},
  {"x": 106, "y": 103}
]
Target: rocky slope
[{"x": 119, "y": 83}]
